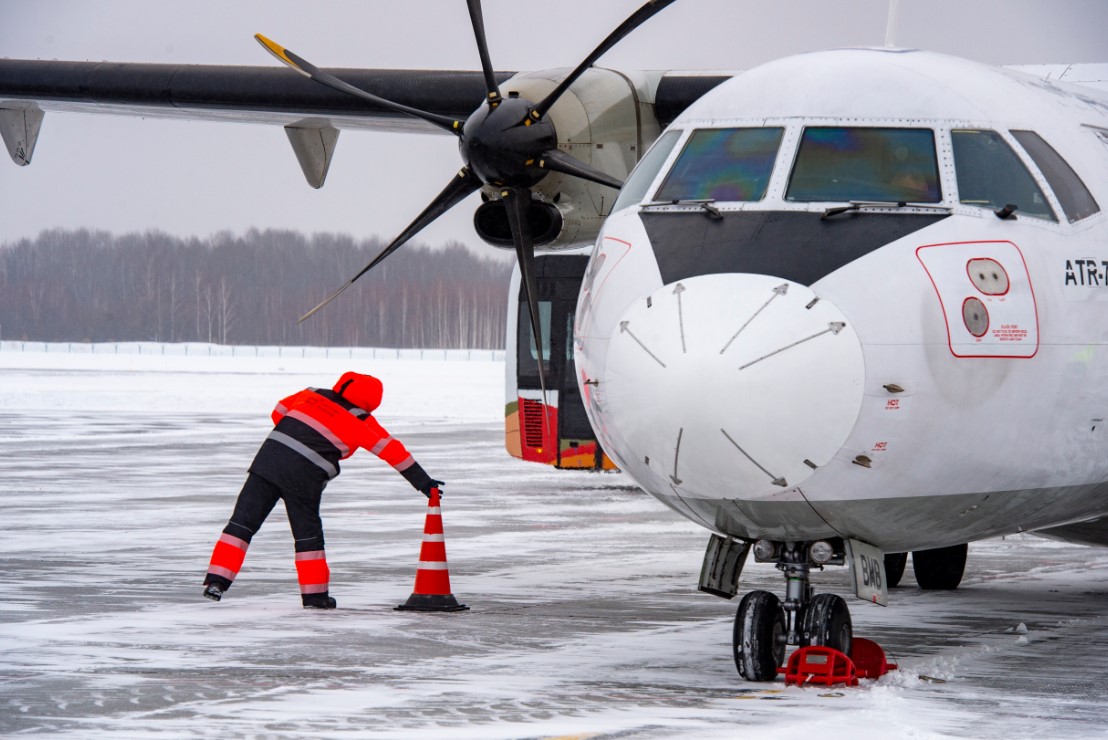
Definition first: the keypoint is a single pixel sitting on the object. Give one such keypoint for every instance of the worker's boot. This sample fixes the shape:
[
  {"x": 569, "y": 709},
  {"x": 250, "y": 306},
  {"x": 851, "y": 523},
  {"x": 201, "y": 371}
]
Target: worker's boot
[
  {"x": 214, "y": 586},
  {"x": 318, "y": 601}
]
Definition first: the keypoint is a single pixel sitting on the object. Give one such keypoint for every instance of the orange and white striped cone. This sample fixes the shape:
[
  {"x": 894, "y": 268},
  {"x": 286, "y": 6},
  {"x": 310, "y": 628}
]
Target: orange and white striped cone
[{"x": 432, "y": 581}]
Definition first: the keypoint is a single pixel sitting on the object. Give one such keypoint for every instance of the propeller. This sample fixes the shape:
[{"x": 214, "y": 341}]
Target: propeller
[{"x": 508, "y": 143}]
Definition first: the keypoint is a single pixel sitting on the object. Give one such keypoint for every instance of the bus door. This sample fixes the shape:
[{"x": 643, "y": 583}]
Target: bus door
[{"x": 566, "y": 440}]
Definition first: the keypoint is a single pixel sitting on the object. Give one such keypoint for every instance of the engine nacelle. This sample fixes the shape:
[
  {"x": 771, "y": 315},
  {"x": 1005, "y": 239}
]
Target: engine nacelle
[
  {"x": 491, "y": 222},
  {"x": 605, "y": 119}
]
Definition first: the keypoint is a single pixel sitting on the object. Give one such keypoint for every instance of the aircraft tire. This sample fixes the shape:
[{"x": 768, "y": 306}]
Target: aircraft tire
[
  {"x": 940, "y": 569},
  {"x": 827, "y": 622},
  {"x": 895, "y": 563},
  {"x": 758, "y": 640}
]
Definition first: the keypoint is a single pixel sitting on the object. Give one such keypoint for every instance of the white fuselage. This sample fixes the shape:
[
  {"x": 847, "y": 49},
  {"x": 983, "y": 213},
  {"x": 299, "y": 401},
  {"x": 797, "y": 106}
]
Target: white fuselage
[{"x": 913, "y": 374}]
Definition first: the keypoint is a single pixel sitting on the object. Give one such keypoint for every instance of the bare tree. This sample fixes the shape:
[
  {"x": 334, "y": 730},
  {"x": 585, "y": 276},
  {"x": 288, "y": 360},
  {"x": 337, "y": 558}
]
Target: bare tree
[
  {"x": 74, "y": 285},
  {"x": 226, "y": 310}
]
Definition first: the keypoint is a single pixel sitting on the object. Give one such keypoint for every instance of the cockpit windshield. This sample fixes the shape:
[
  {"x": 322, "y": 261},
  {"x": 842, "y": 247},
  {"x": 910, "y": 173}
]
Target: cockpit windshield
[
  {"x": 723, "y": 164},
  {"x": 990, "y": 175},
  {"x": 840, "y": 164},
  {"x": 646, "y": 170}
]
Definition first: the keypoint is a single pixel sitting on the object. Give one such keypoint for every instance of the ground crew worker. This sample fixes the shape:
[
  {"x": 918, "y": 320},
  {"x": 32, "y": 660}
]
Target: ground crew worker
[{"x": 313, "y": 430}]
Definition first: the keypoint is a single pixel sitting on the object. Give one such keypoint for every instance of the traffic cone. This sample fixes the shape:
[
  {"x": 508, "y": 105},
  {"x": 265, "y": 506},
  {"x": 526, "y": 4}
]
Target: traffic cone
[{"x": 432, "y": 581}]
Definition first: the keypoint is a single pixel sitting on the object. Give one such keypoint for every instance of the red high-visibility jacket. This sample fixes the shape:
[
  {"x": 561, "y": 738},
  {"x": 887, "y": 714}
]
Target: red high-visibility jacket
[{"x": 315, "y": 428}]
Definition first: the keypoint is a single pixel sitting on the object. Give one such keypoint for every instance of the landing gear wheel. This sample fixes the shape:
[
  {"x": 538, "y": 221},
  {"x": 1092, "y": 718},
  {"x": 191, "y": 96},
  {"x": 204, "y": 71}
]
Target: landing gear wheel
[
  {"x": 940, "y": 569},
  {"x": 894, "y": 568},
  {"x": 758, "y": 642},
  {"x": 827, "y": 622}
]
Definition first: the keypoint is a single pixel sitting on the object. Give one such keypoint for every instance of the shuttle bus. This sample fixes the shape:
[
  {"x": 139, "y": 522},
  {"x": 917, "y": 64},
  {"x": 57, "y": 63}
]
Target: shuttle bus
[{"x": 566, "y": 439}]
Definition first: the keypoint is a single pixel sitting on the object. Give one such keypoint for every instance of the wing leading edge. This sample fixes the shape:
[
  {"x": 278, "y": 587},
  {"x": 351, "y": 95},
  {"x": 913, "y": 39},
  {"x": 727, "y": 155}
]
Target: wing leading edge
[
  {"x": 234, "y": 93},
  {"x": 311, "y": 114}
]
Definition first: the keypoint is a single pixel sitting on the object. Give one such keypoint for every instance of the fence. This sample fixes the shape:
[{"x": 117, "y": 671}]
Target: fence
[{"x": 199, "y": 349}]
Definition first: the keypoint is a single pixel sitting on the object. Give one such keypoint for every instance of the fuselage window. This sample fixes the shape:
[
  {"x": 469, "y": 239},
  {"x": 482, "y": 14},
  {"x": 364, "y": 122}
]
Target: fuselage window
[
  {"x": 841, "y": 164},
  {"x": 645, "y": 171},
  {"x": 990, "y": 175},
  {"x": 1076, "y": 200},
  {"x": 725, "y": 164}
]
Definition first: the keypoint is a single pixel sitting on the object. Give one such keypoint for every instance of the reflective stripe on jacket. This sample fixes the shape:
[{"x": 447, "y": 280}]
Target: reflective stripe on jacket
[{"x": 322, "y": 427}]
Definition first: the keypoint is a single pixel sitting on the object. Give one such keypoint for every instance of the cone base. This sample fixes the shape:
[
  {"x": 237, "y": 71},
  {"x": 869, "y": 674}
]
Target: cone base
[{"x": 432, "y": 603}]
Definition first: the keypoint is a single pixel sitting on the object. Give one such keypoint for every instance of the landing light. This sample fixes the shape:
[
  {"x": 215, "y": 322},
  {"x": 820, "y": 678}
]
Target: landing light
[
  {"x": 764, "y": 550},
  {"x": 821, "y": 552}
]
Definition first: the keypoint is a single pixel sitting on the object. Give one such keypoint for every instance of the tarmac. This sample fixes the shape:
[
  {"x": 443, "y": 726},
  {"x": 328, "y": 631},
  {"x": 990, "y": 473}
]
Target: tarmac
[{"x": 584, "y": 615}]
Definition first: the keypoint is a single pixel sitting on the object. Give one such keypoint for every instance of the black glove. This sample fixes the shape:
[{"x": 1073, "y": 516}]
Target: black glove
[{"x": 417, "y": 476}]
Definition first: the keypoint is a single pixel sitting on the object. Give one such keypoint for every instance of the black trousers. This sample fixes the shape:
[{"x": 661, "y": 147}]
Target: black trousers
[{"x": 257, "y": 499}]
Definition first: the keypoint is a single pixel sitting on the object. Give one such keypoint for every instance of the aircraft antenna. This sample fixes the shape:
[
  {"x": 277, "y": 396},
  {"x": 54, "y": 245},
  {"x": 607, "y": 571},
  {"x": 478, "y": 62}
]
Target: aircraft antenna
[{"x": 890, "y": 26}]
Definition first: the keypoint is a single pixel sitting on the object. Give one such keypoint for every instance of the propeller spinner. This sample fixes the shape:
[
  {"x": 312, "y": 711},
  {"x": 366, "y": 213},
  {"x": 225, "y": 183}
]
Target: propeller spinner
[{"x": 508, "y": 143}]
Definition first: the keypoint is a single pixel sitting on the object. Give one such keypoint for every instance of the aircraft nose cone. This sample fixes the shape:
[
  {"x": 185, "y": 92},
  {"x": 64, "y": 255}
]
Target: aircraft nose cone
[{"x": 732, "y": 385}]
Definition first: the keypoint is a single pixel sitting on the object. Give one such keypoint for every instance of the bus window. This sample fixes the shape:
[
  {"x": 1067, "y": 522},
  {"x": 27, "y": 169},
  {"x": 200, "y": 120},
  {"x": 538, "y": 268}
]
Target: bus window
[
  {"x": 726, "y": 164},
  {"x": 1076, "y": 200},
  {"x": 990, "y": 175},
  {"x": 839, "y": 164},
  {"x": 528, "y": 354}
]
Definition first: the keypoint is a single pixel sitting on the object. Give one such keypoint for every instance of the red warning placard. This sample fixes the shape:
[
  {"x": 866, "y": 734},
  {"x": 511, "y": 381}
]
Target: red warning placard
[{"x": 984, "y": 322}]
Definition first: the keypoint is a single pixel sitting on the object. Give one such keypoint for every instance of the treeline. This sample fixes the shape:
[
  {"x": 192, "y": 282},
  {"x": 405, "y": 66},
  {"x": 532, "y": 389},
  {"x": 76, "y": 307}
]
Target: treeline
[{"x": 248, "y": 289}]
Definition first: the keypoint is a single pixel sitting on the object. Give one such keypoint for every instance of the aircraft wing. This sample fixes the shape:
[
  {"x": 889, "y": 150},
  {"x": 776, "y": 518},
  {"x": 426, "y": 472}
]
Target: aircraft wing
[
  {"x": 263, "y": 95},
  {"x": 272, "y": 95}
]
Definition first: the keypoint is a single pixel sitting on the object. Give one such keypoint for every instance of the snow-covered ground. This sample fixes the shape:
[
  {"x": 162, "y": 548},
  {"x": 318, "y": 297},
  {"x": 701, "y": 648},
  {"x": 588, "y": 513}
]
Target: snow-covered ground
[{"x": 117, "y": 472}]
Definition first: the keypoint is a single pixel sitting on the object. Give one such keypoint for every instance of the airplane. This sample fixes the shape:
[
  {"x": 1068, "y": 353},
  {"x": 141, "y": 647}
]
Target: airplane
[{"x": 837, "y": 308}]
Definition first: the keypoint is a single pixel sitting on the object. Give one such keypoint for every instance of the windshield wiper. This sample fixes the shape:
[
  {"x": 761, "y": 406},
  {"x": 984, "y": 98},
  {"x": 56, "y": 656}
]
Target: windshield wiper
[
  {"x": 705, "y": 205},
  {"x": 857, "y": 205}
]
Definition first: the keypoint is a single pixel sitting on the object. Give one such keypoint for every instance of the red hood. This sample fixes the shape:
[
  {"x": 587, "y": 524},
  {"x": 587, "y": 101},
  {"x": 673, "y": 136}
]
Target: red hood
[{"x": 364, "y": 391}]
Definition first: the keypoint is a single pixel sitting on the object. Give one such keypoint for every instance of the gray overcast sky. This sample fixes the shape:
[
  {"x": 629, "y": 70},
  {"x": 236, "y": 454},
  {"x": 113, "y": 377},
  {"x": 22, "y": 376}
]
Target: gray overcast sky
[{"x": 192, "y": 178}]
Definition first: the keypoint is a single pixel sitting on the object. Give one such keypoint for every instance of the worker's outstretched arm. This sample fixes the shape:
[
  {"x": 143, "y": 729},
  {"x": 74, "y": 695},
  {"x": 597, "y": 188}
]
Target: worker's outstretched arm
[{"x": 392, "y": 451}]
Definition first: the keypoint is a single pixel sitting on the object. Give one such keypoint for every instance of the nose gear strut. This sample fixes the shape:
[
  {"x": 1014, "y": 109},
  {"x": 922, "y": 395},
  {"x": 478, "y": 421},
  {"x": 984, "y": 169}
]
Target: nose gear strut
[{"x": 798, "y": 591}]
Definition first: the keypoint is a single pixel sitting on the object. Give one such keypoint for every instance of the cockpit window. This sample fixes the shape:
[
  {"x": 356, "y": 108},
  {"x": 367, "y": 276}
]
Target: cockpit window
[
  {"x": 646, "y": 170},
  {"x": 990, "y": 175},
  {"x": 728, "y": 164},
  {"x": 842, "y": 164},
  {"x": 1076, "y": 200}
]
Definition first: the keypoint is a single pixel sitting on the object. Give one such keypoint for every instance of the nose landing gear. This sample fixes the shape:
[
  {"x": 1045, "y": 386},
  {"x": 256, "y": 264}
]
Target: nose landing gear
[{"x": 764, "y": 626}]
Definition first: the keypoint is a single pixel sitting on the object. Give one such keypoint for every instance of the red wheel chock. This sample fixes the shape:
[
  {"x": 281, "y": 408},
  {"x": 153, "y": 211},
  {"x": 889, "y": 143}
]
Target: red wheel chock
[
  {"x": 869, "y": 659},
  {"x": 817, "y": 664}
]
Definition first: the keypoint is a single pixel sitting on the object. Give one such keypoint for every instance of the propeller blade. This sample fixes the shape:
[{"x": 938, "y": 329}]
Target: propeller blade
[
  {"x": 309, "y": 70},
  {"x": 478, "y": 21},
  {"x": 640, "y": 16},
  {"x": 462, "y": 185},
  {"x": 517, "y": 202},
  {"x": 558, "y": 161}
]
